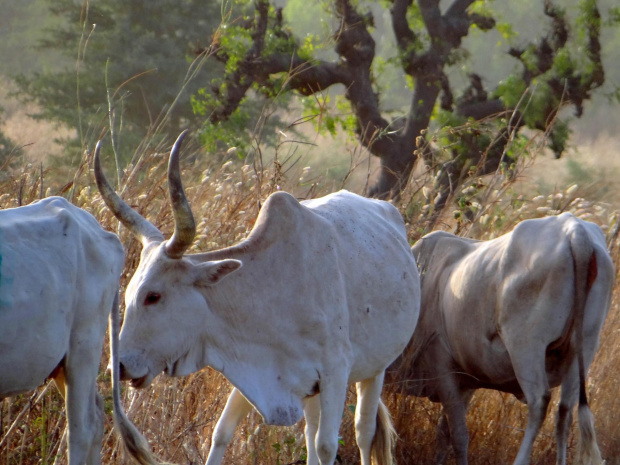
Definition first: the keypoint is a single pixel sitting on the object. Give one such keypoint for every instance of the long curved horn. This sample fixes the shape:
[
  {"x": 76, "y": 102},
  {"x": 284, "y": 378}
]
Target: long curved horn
[
  {"x": 184, "y": 224},
  {"x": 140, "y": 227}
]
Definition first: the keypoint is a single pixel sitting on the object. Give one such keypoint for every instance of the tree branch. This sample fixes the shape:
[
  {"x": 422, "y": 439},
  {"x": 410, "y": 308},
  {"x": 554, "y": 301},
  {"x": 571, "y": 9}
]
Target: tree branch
[
  {"x": 303, "y": 76},
  {"x": 238, "y": 84},
  {"x": 405, "y": 37},
  {"x": 353, "y": 41},
  {"x": 357, "y": 48},
  {"x": 481, "y": 110},
  {"x": 458, "y": 7}
]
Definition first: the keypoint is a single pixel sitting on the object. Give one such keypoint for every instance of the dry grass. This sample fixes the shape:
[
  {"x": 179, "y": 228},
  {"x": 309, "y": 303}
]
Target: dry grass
[{"x": 178, "y": 415}]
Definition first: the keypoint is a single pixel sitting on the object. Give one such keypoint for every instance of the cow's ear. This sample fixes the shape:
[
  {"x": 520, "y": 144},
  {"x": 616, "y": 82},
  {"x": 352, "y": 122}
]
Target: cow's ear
[{"x": 209, "y": 273}]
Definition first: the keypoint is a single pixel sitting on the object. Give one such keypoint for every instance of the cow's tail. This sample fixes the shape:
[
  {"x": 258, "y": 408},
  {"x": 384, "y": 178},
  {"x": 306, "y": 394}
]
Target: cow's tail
[
  {"x": 585, "y": 267},
  {"x": 134, "y": 442},
  {"x": 385, "y": 434}
]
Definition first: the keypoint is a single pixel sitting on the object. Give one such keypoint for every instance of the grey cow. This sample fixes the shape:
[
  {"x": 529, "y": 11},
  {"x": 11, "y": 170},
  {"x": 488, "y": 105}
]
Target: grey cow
[{"x": 520, "y": 314}]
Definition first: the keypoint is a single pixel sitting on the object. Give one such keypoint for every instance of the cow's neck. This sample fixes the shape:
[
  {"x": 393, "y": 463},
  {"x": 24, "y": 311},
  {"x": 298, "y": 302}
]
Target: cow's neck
[{"x": 245, "y": 353}]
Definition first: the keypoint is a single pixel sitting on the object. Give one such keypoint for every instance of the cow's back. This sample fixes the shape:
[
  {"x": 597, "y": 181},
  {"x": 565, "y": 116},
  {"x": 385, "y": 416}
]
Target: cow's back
[
  {"x": 58, "y": 267},
  {"x": 380, "y": 276}
]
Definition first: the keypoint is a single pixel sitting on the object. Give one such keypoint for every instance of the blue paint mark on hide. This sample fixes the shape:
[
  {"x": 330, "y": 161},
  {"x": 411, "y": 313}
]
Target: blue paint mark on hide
[{"x": 5, "y": 283}]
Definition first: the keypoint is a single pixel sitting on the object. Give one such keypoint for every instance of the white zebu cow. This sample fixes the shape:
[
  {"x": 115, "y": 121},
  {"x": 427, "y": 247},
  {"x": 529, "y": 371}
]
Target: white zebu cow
[
  {"x": 59, "y": 276},
  {"x": 321, "y": 294},
  {"x": 520, "y": 314},
  {"x": 59, "y": 281}
]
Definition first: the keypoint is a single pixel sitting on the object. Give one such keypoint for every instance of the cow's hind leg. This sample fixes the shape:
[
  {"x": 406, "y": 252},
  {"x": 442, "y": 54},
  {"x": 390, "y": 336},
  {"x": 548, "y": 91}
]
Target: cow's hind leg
[
  {"x": 84, "y": 407},
  {"x": 588, "y": 452},
  {"x": 237, "y": 407},
  {"x": 529, "y": 367},
  {"x": 94, "y": 451},
  {"x": 312, "y": 415},
  {"x": 94, "y": 455},
  {"x": 373, "y": 428},
  {"x": 564, "y": 417}
]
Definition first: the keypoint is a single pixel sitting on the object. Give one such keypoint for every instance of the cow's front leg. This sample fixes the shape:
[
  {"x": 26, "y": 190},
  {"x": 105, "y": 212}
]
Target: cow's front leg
[
  {"x": 84, "y": 406},
  {"x": 454, "y": 404},
  {"x": 237, "y": 407},
  {"x": 312, "y": 415},
  {"x": 443, "y": 439},
  {"x": 332, "y": 399}
]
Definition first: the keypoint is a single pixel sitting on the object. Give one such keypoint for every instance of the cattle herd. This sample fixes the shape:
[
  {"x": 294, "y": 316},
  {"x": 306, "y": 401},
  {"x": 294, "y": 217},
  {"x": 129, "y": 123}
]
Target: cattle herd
[{"x": 323, "y": 293}]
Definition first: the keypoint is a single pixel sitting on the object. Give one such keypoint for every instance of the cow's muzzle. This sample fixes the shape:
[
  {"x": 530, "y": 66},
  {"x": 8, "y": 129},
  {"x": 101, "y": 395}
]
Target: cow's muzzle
[{"x": 138, "y": 383}]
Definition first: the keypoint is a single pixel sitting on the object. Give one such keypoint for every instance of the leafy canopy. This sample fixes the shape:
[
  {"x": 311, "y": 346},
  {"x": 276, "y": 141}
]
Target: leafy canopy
[{"x": 406, "y": 66}]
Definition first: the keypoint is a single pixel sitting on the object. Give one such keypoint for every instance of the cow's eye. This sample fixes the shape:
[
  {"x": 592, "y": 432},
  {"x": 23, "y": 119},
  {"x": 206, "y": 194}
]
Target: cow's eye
[{"x": 152, "y": 298}]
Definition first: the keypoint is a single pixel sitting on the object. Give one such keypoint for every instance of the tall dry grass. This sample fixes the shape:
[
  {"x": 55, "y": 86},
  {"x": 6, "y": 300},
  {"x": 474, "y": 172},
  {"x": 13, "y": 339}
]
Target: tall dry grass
[{"x": 178, "y": 415}]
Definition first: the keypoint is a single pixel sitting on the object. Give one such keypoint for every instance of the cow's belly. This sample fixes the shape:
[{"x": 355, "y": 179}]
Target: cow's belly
[
  {"x": 33, "y": 341},
  {"x": 485, "y": 363},
  {"x": 379, "y": 340},
  {"x": 24, "y": 368}
]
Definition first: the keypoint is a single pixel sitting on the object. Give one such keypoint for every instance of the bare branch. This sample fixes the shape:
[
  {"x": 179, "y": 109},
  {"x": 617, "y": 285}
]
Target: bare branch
[
  {"x": 458, "y": 7},
  {"x": 353, "y": 41},
  {"x": 258, "y": 36},
  {"x": 303, "y": 76},
  {"x": 405, "y": 37},
  {"x": 432, "y": 18},
  {"x": 357, "y": 48},
  {"x": 481, "y": 110}
]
